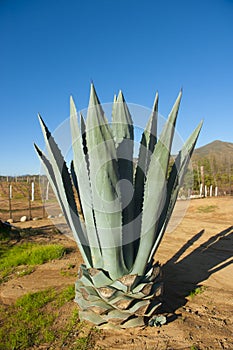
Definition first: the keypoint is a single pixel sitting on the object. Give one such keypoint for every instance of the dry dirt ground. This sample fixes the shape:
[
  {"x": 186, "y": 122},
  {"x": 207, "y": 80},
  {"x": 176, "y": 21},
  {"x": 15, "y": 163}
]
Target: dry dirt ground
[{"x": 197, "y": 253}]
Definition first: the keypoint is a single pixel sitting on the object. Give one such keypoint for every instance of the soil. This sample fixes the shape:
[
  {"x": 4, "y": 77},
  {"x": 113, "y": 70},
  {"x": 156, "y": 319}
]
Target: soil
[{"x": 197, "y": 253}]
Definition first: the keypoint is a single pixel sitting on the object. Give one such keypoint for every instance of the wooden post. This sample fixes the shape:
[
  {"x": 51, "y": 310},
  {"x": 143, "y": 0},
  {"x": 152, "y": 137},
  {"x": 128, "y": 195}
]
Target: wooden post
[
  {"x": 33, "y": 191},
  {"x": 29, "y": 204},
  {"x": 10, "y": 197},
  {"x": 47, "y": 192},
  {"x": 211, "y": 190},
  {"x": 43, "y": 208},
  {"x": 203, "y": 178},
  {"x": 201, "y": 188},
  {"x": 10, "y": 191}
]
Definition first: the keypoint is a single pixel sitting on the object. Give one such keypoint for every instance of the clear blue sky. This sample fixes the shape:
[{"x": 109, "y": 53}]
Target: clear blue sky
[{"x": 50, "y": 49}]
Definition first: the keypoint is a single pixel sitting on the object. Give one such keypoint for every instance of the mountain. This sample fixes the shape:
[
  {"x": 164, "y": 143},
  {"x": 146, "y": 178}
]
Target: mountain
[
  {"x": 213, "y": 165},
  {"x": 218, "y": 149}
]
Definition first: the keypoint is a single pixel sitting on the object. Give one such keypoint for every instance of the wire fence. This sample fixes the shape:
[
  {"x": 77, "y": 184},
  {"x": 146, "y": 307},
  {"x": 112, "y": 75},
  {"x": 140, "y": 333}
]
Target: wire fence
[
  {"x": 31, "y": 197},
  {"x": 25, "y": 198}
]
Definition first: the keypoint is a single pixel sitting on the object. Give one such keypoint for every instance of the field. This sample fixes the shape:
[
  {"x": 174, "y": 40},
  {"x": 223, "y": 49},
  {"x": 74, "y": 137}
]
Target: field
[
  {"x": 197, "y": 271},
  {"x": 21, "y": 203}
]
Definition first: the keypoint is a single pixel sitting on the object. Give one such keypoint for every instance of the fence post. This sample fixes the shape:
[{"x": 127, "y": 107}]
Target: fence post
[
  {"x": 201, "y": 188},
  {"x": 47, "y": 192},
  {"x": 203, "y": 179},
  {"x": 29, "y": 204},
  {"x": 33, "y": 191},
  {"x": 43, "y": 208},
  {"x": 211, "y": 190},
  {"x": 10, "y": 197}
]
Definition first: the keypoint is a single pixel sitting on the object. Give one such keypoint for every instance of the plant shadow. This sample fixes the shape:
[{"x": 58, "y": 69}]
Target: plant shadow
[{"x": 181, "y": 276}]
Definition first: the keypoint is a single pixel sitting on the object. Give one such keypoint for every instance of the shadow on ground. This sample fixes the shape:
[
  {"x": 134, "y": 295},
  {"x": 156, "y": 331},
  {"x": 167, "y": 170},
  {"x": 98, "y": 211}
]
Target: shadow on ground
[{"x": 182, "y": 275}]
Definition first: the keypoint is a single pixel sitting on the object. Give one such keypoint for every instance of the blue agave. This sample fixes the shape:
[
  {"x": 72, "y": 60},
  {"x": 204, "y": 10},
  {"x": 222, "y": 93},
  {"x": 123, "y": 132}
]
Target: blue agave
[{"x": 119, "y": 283}]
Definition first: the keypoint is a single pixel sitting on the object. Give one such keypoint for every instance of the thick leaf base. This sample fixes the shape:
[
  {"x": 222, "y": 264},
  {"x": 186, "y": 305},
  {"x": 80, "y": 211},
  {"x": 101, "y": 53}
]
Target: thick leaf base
[{"x": 129, "y": 301}]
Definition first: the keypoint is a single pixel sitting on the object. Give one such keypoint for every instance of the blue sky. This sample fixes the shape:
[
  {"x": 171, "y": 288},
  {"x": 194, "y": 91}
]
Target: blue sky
[{"x": 51, "y": 49}]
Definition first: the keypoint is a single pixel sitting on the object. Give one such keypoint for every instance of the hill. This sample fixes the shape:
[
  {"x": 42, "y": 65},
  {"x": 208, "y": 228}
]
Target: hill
[
  {"x": 216, "y": 161},
  {"x": 216, "y": 148}
]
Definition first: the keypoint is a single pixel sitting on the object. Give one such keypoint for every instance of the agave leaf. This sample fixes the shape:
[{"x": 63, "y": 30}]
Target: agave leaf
[
  {"x": 187, "y": 151},
  {"x": 117, "y": 314},
  {"x": 61, "y": 173},
  {"x": 85, "y": 280},
  {"x": 135, "y": 308},
  {"x": 50, "y": 175},
  {"x": 86, "y": 290},
  {"x": 83, "y": 304},
  {"x": 151, "y": 309},
  {"x": 178, "y": 171},
  {"x": 84, "y": 277},
  {"x": 91, "y": 316},
  {"x": 118, "y": 285},
  {"x": 155, "y": 190},
  {"x": 114, "y": 106},
  {"x": 99, "y": 278},
  {"x": 134, "y": 322},
  {"x": 104, "y": 179},
  {"x": 151, "y": 128},
  {"x": 82, "y": 174},
  {"x": 151, "y": 133},
  {"x": 83, "y": 132},
  {"x": 123, "y": 302},
  {"x": 150, "y": 288},
  {"x": 72, "y": 220},
  {"x": 123, "y": 133},
  {"x": 173, "y": 185},
  {"x": 122, "y": 123},
  {"x": 102, "y": 304},
  {"x": 147, "y": 144},
  {"x": 75, "y": 183}
]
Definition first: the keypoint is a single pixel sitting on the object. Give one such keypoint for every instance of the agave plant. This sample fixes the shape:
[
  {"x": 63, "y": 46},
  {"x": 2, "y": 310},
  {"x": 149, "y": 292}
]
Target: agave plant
[{"x": 117, "y": 230}]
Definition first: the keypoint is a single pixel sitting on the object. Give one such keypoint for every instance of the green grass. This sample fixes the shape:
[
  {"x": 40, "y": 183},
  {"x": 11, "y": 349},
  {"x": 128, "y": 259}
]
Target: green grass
[
  {"x": 26, "y": 324},
  {"x": 26, "y": 270},
  {"x": 27, "y": 254},
  {"x": 32, "y": 321},
  {"x": 207, "y": 208},
  {"x": 84, "y": 342},
  {"x": 67, "y": 294},
  {"x": 69, "y": 271},
  {"x": 194, "y": 347},
  {"x": 196, "y": 291},
  {"x": 40, "y": 318}
]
